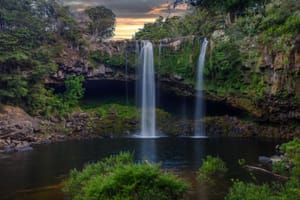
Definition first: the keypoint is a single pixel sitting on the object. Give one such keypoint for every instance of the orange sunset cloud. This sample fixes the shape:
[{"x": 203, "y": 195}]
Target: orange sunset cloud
[{"x": 126, "y": 27}]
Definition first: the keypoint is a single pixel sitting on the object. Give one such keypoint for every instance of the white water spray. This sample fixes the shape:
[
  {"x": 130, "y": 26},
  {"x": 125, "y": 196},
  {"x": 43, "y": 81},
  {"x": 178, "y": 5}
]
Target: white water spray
[{"x": 147, "y": 90}]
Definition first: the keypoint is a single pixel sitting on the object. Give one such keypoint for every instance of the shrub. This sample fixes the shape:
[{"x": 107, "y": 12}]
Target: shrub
[
  {"x": 280, "y": 168},
  {"x": 212, "y": 167},
  {"x": 74, "y": 90},
  {"x": 117, "y": 177},
  {"x": 249, "y": 191},
  {"x": 284, "y": 191}
]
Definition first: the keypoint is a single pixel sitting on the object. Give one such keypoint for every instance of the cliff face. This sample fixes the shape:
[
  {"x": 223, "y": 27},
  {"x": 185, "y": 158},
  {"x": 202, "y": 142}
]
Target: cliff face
[
  {"x": 280, "y": 74},
  {"x": 268, "y": 90},
  {"x": 281, "y": 71}
]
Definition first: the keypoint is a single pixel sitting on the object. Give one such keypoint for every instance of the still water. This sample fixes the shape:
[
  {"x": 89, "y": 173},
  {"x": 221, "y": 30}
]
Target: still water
[{"x": 38, "y": 174}]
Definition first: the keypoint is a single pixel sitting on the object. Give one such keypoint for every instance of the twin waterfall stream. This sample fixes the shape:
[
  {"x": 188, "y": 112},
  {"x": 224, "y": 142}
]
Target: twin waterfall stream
[{"x": 146, "y": 90}]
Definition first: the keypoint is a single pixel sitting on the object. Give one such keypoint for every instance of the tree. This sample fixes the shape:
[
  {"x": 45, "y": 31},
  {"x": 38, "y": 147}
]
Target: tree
[
  {"x": 103, "y": 21},
  {"x": 228, "y": 6},
  {"x": 32, "y": 34}
]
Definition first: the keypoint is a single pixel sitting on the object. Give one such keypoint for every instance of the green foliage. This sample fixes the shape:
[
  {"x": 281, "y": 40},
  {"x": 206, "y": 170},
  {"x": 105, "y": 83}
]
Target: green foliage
[
  {"x": 212, "y": 167},
  {"x": 223, "y": 71},
  {"x": 225, "y": 58},
  {"x": 182, "y": 61},
  {"x": 102, "y": 57},
  {"x": 74, "y": 90},
  {"x": 292, "y": 148},
  {"x": 257, "y": 86},
  {"x": 199, "y": 22},
  {"x": 32, "y": 35},
  {"x": 120, "y": 111},
  {"x": 231, "y": 6},
  {"x": 249, "y": 191},
  {"x": 292, "y": 152},
  {"x": 281, "y": 24},
  {"x": 117, "y": 177},
  {"x": 284, "y": 191},
  {"x": 280, "y": 168},
  {"x": 112, "y": 118},
  {"x": 102, "y": 24},
  {"x": 42, "y": 101},
  {"x": 170, "y": 28}
]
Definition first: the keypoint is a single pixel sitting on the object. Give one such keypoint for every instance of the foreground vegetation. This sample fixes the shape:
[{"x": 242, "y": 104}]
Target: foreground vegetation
[
  {"x": 212, "y": 167},
  {"x": 119, "y": 178},
  {"x": 286, "y": 191}
]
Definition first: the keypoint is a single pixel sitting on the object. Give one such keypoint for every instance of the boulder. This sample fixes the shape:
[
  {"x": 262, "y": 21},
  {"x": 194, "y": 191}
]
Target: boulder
[
  {"x": 23, "y": 146},
  {"x": 264, "y": 160}
]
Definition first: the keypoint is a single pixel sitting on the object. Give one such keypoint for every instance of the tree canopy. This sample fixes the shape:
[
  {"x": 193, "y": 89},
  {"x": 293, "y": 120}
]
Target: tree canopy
[
  {"x": 32, "y": 36},
  {"x": 103, "y": 21}
]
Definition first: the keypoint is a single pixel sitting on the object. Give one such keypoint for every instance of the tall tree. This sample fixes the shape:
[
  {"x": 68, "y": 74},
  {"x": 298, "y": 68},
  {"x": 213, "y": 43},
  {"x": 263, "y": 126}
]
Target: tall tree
[{"x": 103, "y": 21}]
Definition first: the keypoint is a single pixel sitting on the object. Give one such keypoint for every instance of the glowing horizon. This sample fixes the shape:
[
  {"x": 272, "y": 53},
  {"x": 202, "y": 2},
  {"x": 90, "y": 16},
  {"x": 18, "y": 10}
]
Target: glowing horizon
[
  {"x": 127, "y": 27},
  {"x": 130, "y": 17}
]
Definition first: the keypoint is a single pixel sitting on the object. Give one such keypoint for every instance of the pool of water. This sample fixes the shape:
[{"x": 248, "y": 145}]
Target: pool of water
[{"x": 38, "y": 174}]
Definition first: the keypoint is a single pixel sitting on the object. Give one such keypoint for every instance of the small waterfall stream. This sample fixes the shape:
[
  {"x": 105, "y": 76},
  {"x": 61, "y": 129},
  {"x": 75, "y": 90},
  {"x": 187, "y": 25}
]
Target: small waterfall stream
[
  {"x": 147, "y": 90},
  {"x": 199, "y": 128}
]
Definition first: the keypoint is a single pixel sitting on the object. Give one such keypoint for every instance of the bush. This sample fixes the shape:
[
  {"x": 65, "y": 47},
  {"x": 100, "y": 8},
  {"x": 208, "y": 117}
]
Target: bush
[
  {"x": 74, "y": 90},
  {"x": 249, "y": 191},
  {"x": 117, "y": 177},
  {"x": 280, "y": 168},
  {"x": 283, "y": 191},
  {"x": 212, "y": 167}
]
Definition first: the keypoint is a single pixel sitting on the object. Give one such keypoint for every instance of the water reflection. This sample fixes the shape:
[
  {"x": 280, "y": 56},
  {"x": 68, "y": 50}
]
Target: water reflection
[
  {"x": 147, "y": 150},
  {"x": 47, "y": 164}
]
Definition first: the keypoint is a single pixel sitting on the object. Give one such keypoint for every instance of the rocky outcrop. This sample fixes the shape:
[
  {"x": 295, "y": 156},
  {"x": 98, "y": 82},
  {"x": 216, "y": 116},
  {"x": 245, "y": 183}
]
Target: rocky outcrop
[
  {"x": 17, "y": 129},
  {"x": 100, "y": 72},
  {"x": 113, "y": 60},
  {"x": 235, "y": 127}
]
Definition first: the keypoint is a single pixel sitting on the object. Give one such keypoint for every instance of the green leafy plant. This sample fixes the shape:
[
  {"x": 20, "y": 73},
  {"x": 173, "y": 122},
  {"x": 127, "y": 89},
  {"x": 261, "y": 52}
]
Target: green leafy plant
[
  {"x": 212, "y": 167},
  {"x": 281, "y": 191},
  {"x": 118, "y": 177},
  {"x": 280, "y": 168},
  {"x": 249, "y": 191},
  {"x": 74, "y": 90}
]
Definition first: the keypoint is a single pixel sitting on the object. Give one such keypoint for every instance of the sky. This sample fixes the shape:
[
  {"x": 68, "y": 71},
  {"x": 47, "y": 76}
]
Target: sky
[{"x": 131, "y": 14}]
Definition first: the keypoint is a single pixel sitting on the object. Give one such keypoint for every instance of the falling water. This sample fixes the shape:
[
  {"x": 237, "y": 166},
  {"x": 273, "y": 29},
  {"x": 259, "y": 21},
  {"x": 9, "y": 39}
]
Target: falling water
[
  {"x": 199, "y": 128},
  {"x": 148, "y": 90}
]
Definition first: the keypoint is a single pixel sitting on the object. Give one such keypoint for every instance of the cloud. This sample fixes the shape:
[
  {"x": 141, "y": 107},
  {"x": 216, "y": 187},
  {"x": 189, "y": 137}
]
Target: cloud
[
  {"x": 131, "y": 14},
  {"x": 163, "y": 8},
  {"x": 126, "y": 27}
]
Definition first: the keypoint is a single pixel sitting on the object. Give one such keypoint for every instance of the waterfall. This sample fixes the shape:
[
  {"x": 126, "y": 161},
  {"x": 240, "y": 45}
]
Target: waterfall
[
  {"x": 199, "y": 128},
  {"x": 147, "y": 77}
]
